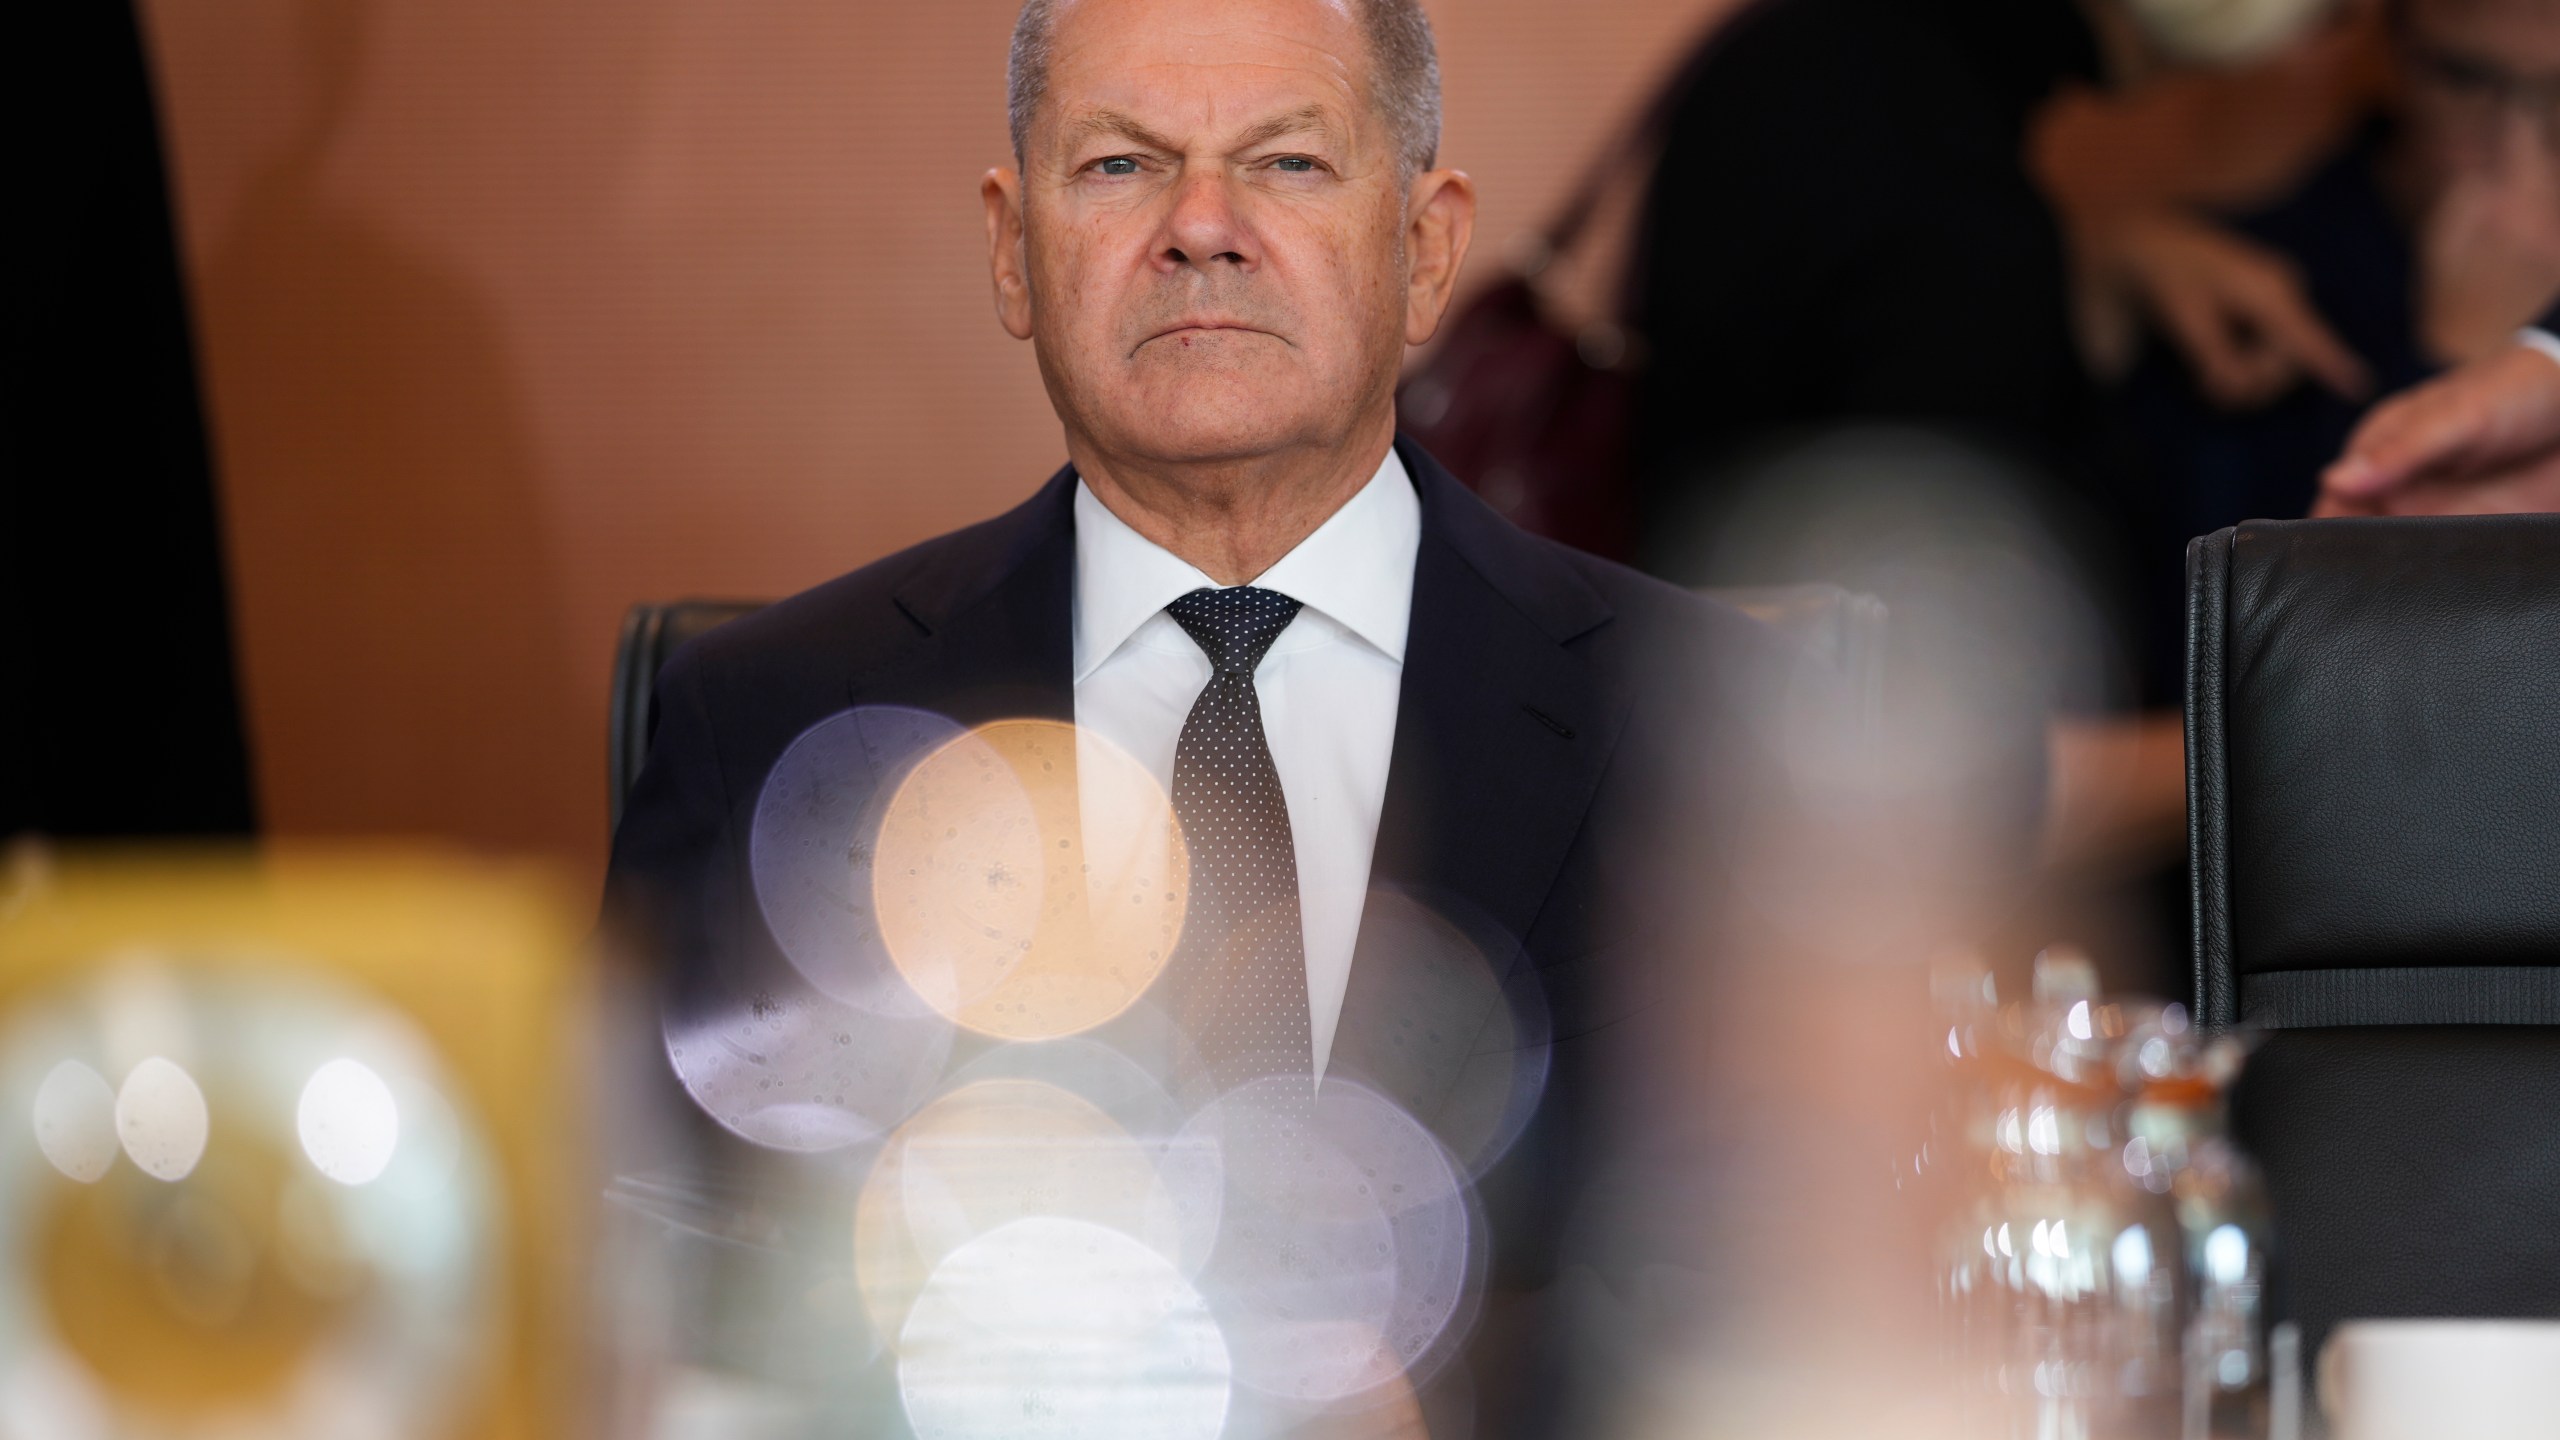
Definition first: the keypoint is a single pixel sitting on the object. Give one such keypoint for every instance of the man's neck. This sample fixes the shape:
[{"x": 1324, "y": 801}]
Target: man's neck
[{"x": 1232, "y": 519}]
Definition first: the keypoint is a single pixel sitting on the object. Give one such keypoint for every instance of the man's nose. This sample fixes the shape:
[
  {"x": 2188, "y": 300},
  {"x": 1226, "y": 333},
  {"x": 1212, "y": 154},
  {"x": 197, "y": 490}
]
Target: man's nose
[{"x": 1203, "y": 230}]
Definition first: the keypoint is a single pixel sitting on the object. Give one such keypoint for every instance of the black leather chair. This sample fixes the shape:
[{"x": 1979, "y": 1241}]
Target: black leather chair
[
  {"x": 2373, "y": 742},
  {"x": 1838, "y": 629},
  {"x": 651, "y": 634}
]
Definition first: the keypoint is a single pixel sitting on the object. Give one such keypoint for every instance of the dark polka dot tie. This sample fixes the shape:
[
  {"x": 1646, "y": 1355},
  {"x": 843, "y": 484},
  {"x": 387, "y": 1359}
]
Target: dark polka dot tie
[{"x": 1238, "y": 981}]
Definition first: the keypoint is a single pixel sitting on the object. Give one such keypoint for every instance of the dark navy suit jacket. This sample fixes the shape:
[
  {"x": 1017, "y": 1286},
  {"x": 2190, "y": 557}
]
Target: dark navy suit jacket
[{"x": 1557, "y": 716}]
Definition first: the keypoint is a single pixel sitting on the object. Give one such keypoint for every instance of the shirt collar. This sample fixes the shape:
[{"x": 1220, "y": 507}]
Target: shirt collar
[{"x": 1356, "y": 569}]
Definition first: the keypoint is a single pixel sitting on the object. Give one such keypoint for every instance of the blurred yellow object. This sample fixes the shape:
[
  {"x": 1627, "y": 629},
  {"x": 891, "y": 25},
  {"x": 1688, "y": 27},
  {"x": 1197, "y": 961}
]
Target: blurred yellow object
[{"x": 415, "y": 1020}]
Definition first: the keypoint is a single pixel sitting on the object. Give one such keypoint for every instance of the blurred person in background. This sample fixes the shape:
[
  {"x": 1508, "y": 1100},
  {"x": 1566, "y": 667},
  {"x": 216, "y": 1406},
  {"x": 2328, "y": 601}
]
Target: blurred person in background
[
  {"x": 2484, "y": 438},
  {"x": 1844, "y": 226},
  {"x": 1853, "y": 222},
  {"x": 1223, "y": 228},
  {"x": 1841, "y": 227},
  {"x": 2398, "y": 175},
  {"x": 2427, "y": 239}
]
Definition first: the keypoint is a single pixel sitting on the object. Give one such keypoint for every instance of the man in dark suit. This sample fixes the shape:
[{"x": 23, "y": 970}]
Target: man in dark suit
[{"x": 1393, "y": 727}]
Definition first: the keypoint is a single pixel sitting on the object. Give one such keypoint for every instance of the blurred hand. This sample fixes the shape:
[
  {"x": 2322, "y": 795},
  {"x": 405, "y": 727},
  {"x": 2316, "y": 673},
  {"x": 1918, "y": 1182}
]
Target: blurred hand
[
  {"x": 2481, "y": 440},
  {"x": 2489, "y": 253},
  {"x": 2236, "y": 310}
]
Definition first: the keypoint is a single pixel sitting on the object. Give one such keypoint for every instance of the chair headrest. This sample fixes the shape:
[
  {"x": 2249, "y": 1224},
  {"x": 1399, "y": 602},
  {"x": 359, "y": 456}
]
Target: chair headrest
[{"x": 2374, "y": 758}]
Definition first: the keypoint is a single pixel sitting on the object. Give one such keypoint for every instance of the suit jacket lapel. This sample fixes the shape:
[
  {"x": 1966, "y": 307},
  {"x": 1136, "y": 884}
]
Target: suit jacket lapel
[
  {"x": 1502, "y": 734},
  {"x": 993, "y": 620}
]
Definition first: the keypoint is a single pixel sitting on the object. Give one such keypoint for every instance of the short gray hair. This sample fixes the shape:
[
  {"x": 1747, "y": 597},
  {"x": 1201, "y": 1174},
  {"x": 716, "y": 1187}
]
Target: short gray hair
[{"x": 1404, "y": 73}]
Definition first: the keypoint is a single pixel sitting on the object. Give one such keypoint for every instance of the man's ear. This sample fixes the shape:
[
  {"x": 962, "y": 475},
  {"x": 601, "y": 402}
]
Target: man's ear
[
  {"x": 1440, "y": 219},
  {"x": 1006, "y": 261}
]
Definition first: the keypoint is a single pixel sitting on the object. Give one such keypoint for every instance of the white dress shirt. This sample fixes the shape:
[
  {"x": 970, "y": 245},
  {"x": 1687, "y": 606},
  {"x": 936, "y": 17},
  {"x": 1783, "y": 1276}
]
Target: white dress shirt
[{"x": 1328, "y": 687}]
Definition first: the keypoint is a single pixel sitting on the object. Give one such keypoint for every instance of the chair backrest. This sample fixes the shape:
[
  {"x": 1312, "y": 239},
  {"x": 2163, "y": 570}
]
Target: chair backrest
[
  {"x": 1835, "y": 626},
  {"x": 2373, "y": 745},
  {"x": 2374, "y": 728},
  {"x": 651, "y": 633}
]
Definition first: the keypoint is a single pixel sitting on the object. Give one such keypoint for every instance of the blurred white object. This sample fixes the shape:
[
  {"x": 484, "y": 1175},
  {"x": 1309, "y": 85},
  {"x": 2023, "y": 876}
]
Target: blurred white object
[
  {"x": 698, "y": 1404},
  {"x": 2225, "y": 32},
  {"x": 2064, "y": 975},
  {"x": 161, "y": 1117},
  {"x": 2442, "y": 1380},
  {"x": 1061, "y": 1328},
  {"x": 349, "y": 1122},
  {"x": 2284, "y": 1398},
  {"x": 76, "y": 1121}
]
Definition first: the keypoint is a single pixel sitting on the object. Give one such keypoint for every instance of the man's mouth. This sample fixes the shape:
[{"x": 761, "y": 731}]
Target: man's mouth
[{"x": 1188, "y": 330}]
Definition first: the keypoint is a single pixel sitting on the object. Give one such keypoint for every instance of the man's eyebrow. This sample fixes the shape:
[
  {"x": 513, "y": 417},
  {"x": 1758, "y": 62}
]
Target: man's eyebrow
[
  {"x": 1305, "y": 117},
  {"x": 1125, "y": 127},
  {"x": 1115, "y": 124}
]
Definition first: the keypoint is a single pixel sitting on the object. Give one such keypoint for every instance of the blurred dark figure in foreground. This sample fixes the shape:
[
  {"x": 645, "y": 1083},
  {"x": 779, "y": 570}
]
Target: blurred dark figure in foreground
[
  {"x": 119, "y": 713},
  {"x": 2427, "y": 240}
]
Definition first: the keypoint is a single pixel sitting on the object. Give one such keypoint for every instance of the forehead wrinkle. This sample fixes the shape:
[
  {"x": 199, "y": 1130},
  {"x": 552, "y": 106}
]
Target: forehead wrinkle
[
  {"x": 1190, "y": 46},
  {"x": 1187, "y": 79}
]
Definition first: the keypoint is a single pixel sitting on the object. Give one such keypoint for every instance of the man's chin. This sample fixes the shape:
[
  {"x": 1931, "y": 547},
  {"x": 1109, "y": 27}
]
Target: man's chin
[
  {"x": 1178, "y": 444},
  {"x": 1220, "y": 419}
]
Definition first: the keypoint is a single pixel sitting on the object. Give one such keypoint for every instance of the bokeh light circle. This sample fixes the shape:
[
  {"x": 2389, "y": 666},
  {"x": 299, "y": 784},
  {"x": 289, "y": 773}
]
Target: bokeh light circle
[
  {"x": 992, "y": 1152},
  {"x": 814, "y": 840},
  {"x": 161, "y": 1119},
  {"x": 1030, "y": 880},
  {"x": 781, "y": 1065},
  {"x": 348, "y": 1122},
  {"x": 75, "y": 1120},
  {"x": 1102, "y": 1075},
  {"x": 1056, "y": 1329},
  {"x": 1190, "y": 1178},
  {"x": 1473, "y": 1025},
  {"x": 1343, "y": 1246}
]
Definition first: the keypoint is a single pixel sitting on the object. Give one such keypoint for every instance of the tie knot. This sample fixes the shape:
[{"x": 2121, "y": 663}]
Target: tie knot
[{"x": 1234, "y": 626}]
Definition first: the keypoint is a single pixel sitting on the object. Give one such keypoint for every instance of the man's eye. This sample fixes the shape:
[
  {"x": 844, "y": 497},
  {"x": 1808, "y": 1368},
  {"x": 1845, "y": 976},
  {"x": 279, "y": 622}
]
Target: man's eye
[
  {"x": 1117, "y": 165},
  {"x": 1295, "y": 164}
]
